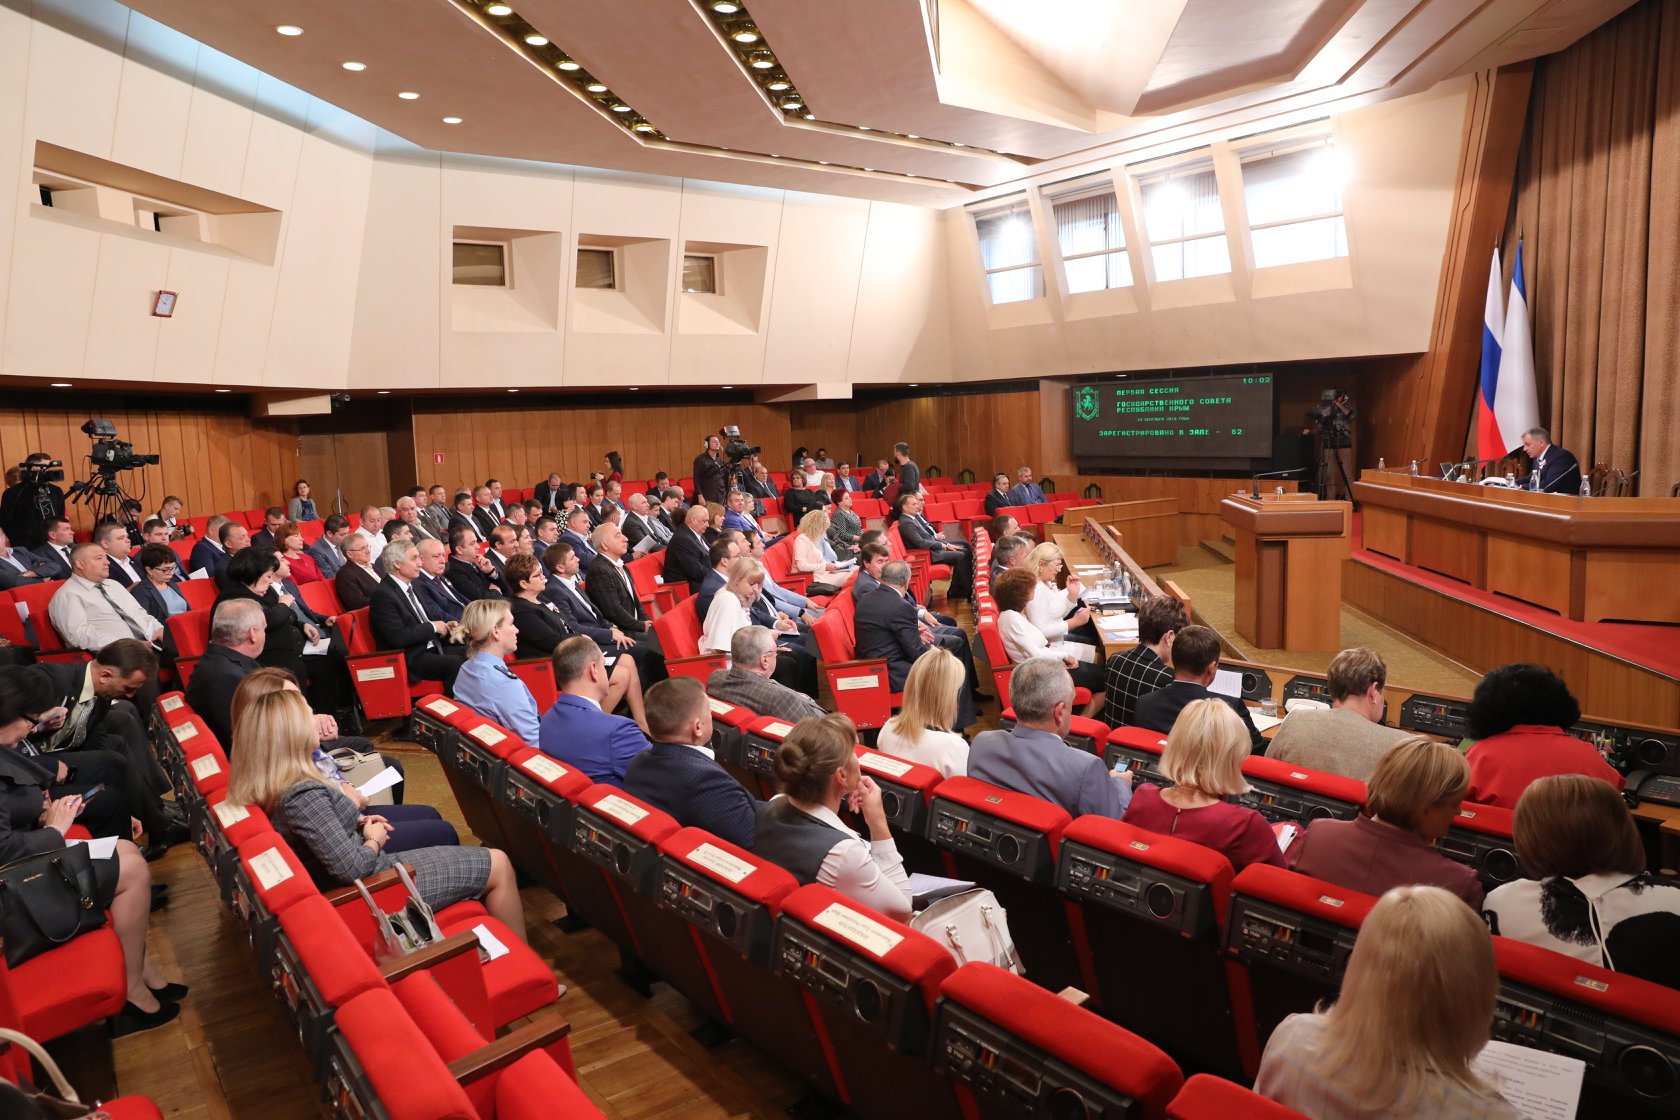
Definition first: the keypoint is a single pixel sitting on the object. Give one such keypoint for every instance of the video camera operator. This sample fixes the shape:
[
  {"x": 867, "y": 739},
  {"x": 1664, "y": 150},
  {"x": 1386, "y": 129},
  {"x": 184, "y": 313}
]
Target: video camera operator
[
  {"x": 26, "y": 507},
  {"x": 1334, "y": 419}
]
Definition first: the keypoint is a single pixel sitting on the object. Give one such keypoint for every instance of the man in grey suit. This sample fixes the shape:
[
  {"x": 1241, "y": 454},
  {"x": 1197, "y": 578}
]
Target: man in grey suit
[
  {"x": 17, "y": 567},
  {"x": 1033, "y": 758},
  {"x": 328, "y": 550}
]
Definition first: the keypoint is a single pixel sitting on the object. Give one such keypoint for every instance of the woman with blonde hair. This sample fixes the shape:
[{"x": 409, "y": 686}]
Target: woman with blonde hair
[
  {"x": 731, "y": 607},
  {"x": 1589, "y": 896},
  {"x": 921, "y": 731},
  {"x": 808, "y": 556},
  {"x": 1410, "y": 802},
  {"x": 1055, "y": 610},
  {"x": 421, "y": 825},
  {"x": 1415, "y": 1009},
  {"x": 1203, "y": 759},
  {"x": 486, "y": 684},
  {"x": 714, "y": 520},
  {"x": 272, "y": 768},
  {"x": 816, "y": 765}
]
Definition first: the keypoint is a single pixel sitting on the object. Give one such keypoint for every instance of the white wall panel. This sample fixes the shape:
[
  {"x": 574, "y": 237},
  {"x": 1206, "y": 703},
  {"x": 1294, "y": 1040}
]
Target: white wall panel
[{"x": 151, "y": 125}]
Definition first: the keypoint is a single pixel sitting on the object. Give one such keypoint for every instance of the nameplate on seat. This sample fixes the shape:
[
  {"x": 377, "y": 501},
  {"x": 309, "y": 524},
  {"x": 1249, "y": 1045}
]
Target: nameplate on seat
[
  {"x": 231, "y": 813},
  {"x": 719, "y": 708},
  {"x": 1595, "y": 985},
  {"x": 440, "y": 707},
  {"x": 619, "y": 809},
  {"x": 185, "y": 731},
  {"x": 383, "y": 673},
  {"x": 545, "y": 768},
  {"x": 715, "y": 859},
  {"x": 1328, "y": 901},
  {"x": 883, "y": 764},
  {"x": 171, "y": 703},
  {"x": 204, "y": 766},
  {"x": 1298, "y": 776},
  {"x": 487, "y": 734},
  {"x": 850, "y": 684},
  {"x": 863, "y": 932},
  {"x": 270, "y": 868},
  {"x": 778, "y": 728},
  {"x": 1138, "y": 845}
]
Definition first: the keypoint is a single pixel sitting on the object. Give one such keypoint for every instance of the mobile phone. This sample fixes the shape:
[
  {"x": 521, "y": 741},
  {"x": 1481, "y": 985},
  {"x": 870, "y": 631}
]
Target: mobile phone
[{"x": 92, "y": 793}]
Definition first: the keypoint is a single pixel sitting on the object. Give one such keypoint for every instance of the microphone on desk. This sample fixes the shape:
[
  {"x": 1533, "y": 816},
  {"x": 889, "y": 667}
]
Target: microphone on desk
[{"x": 1272, "y": 474}]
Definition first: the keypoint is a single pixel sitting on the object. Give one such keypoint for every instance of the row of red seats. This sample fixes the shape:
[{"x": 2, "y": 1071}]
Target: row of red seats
[{"x": 412, "y": 1037}]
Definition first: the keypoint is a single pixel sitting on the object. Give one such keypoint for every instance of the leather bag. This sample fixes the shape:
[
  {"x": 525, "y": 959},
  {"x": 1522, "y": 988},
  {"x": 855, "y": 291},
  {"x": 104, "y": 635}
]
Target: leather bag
[
  {"x": 971, "y": 926},
  {"x": 47, "y": 901}
]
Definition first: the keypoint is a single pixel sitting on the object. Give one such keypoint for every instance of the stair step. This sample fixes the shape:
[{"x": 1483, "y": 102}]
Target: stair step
[{"x": 1224, "y": 549}]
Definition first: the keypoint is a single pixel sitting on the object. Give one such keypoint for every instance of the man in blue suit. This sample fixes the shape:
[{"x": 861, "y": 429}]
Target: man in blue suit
[
  {"x": 576, "y": 731},
  {"x": 208, "y": 555},
  {"x": 1026, "y": 492},
  {"x": 1555, "y": 470},
  {"x": 576, "y": 534},
  {"x": 437, "y": 595},
  {"x": 678, "y": 773}
]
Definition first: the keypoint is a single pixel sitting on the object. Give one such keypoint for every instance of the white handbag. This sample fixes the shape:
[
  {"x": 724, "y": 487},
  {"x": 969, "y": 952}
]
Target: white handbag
[{"x": 972, "y": 927}]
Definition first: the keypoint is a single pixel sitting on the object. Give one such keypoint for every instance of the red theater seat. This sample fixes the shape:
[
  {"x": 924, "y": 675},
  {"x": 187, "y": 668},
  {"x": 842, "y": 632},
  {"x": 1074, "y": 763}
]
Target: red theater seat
[
  {"x": 383, "y": 1061},
  {"x": 859, "y": 686},
  {"x": 1283, "y": 791},
  {"x": 679, "y": 632},
  {"x": 380, "y": 676},
  {"x": 1213, "y": 1098},
  {"x": 65, "y": 989}
]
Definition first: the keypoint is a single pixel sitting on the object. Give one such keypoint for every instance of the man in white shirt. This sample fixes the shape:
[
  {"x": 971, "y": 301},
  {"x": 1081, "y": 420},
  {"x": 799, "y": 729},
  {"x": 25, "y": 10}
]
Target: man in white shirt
[
  {"x": 113, "y": 539},
  {"x": 370, "y": 528},
  {"x": 90, "y": 611},
  {"x": 495, "y": 505}
]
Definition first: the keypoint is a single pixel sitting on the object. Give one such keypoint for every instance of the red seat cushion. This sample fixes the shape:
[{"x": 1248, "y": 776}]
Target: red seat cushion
[
  {"x": 411, "y": 1082},
  {"x": 519, "y": 982},
  {"x": 536, "y": 1088},
  {"x": 336, "y": 965},
  {"x": 71, "y": 986},
  {"x": 1205, "y": 1097},
  {"x": 132, "y": 1108}
]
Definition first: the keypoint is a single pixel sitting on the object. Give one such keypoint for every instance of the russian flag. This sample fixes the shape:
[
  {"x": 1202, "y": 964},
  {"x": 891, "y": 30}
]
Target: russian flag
[
  {"x": 1490, "y": 444},
  {"x": 1516, "y": 403}
]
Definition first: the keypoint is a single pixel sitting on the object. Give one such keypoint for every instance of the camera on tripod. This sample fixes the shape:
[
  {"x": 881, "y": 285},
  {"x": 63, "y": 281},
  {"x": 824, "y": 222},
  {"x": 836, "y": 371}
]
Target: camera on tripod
[
  {"x": 110, "y": 454},
  {"x": 734, "y": 447},
  {"x": 39, "y": 474}
]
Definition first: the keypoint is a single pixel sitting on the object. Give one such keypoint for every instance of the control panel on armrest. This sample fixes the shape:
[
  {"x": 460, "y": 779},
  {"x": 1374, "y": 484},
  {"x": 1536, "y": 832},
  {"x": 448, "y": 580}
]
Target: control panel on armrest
[
  {"x": 1145, "y": 765},
  {"x": 884, "y": 1002},
  {"x": 1303, "y": 687},
  {"x": 1135, "y": 889},
  {"x": 758, "y": 750},
  {"x": 1434, "y": 715},
  {"x": 478, "y": 757},
  {"x": 905, "y": 805},
  {"x": 1279, "y": 802},
  {"x": 1003, "y": 845},
  {"x": 1011, "y": 1077},
  {"x": 430, "y": 731},
  {"x": 1493, "y": 854},
  {"x": 536, "y": 803},
  {"x": 1624, "y": 1057},
  {"x": 598, "y": 838},
  {"x": 1260, "y": 932},
  {"x": 1256, "y": 684},
  {"x": 740, "y": 923}
]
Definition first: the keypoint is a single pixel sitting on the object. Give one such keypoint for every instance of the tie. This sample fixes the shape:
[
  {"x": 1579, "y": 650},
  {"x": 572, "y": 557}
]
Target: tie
[
  {"x": 415, "y": 603},
  {"x": 79, "y": 723},
  {"x": 583, "y": 600},
  {"x": 133, "y": 627},
  {"x": 447, "y": 586},
  {"x": 65, "y": 552}
]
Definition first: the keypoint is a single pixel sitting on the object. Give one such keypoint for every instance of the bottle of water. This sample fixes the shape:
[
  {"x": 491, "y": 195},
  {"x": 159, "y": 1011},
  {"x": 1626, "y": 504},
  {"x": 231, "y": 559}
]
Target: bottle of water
[
  {"x": 1510, "y": 478},
  {"x": 1586, "y": 488},
  {"x": 1382, "y": 464},
  {"x": 1414, "y": 466}
]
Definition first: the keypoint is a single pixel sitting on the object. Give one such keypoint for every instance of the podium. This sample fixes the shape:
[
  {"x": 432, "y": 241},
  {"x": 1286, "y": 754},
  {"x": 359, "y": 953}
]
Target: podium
[{"x": 1290, "y": 549}]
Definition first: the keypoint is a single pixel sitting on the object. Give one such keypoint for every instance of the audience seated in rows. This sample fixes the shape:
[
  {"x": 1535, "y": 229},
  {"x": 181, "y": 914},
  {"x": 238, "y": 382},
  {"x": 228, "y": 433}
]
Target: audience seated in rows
[
  {"x": 817, "y": 769},
  {"x": 1023, "y": 641},
  {"x": 609, "y": 586},
  {"x": 1195, "y": 660},
  {"x": 33, "y": 821},
  {"x": 888, "y": 627},
  {"x": 119, "y": 569},
  {"x": 678, "y": 773},
  {"x": 97, "y": 715},
  {"x": 252, "y": 575},
  {"x": 485, "y": 683},
  {"x": 1411, "y": 800},
  {"x": 399, "y": 621},
  {"x": 1350, "y": 738},
  {"x": 1146, "y": 667},
  {"x": 326, "y": 550},
  {"x": 1033, "y": 758},
  {"x": 273, "y": 768},
  {"x": 581, "y": 729},
  {"x": 1415, "y": 1008},
  {"x": 472, "y": 574},
  {"x": 1026, "y": 492},
  {"x": 639, "y": 524},
  {"x": 90, "y": 611},
  {"x": 813, "y": 555},
  {"x": 565, "y": 592},
  {"x": 1056, "y": 611},
  {"x": 918, "y": 532},
  {"x": 1520, "y": 717},
  {"x": 749, "y": 681},
  {"x": 922, "y": 732},
  {"x": 998, "y": 496},
  {"x": 1589, "y": 895},
  {"x": 357, "y": 578},
  {"x": 1204, "y": 756},
  {"x": 542, "y": 627},
  {"x": 1009, "y": 549}
]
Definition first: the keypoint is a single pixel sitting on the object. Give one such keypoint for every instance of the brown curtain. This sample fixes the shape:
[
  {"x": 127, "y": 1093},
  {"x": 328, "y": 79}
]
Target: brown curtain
[{"x": 1598, "y": 207}]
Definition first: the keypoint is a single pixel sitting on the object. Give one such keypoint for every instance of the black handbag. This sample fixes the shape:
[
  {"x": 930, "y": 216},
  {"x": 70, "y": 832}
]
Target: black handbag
[{"x": 47, "y": 901}]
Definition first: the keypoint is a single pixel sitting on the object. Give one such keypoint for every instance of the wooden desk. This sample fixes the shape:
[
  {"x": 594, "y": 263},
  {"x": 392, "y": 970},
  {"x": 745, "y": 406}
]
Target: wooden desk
[
  {"x": 1589, "y": 559},
  {"x": 1148, "y": 527},
  {"x": 1290, "y": 549}
]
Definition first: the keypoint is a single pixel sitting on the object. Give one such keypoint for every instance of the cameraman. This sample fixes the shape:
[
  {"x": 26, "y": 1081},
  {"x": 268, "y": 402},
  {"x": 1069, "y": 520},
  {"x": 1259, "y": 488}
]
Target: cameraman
[
  {"x": 709, "y": 483},
  {"x": 26, "y": 507},
  {"x": 1334, "y": 417}
]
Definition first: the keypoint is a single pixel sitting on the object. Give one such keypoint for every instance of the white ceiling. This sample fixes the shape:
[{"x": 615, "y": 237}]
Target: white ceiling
[{"x": 1054, "y": 83}]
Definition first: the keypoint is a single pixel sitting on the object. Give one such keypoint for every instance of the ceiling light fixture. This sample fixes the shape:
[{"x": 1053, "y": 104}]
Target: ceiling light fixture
[
  {"x": 409, "y": 95},
  {"x": 810, "y": 116},
  {"x": 621, "y": 107},
  {"x": 224, "y": 390},
  {"x": 498, "y": 10},
  {"x": 535, "y": 40},
  {"x": 596, "y": 87},
  {"x": 567, "y": 64},
  {"x": 451, "y": 120},
  {"x": 726, "y": 386},
  {"x": 745, "y": 35},
  {"x": 513, "y": 390},
  {"x": 384, "y": 392},
  {"x": 291, "y": 31},
  {"x": 635, "y": 388},
  {"x": 643, "y": 126},
  {"x": 792, "y": 103},
  {"x": 779, "y": 85},
  {"x": 62, "y": 385},
  {"x": 355, "y": 67},
  {"x": 725, "y": 7}
]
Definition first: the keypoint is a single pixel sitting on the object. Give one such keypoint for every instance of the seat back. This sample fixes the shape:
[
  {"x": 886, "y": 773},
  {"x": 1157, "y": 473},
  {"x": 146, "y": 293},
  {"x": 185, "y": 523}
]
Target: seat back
[
  {"x": 1282, "y": 791},
  {"x": 907, "y": 799},
  {"x": 1018, "y": 1049},
  {"x": 37, "y": 596},
  {"x": 729, "y": 731},
  {"x": 1205, "y": 1097},
  {"x": 620, "y": 835},
  {"x": 380, "y": 1064},
  {"x": 679, "y": 631},
  {"x": 1140, "y": 749},
  {"x": 200, "y": 594},
  {"x": 1481, "y": 837},
  {"x": 322, "y": 597},
  {"x": 191, "y": 631},
  {"x": 872, "y": 983},
  {"x": 1626, "y": 1029},
  {"x": 538, "y": 675},
  {"x": 1145, "y": 897}
]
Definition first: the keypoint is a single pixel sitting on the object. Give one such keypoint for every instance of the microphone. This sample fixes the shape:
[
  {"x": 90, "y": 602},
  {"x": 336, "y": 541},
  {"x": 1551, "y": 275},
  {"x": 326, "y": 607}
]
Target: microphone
[{"x": 1272, "y": 474}]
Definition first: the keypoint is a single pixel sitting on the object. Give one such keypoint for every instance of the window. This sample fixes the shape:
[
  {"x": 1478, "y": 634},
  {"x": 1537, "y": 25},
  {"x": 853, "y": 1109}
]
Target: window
[
  {"x": 699, "y": 274},
  {"x": 1009, "y": 251},
  {"x": 1294, "y": 197},
  {"x": 481, "y": 263},
  {"x": 595, "y": 268},
  {"x": 1088, "y": 231},
  {"x": 1185, "y": 222}
]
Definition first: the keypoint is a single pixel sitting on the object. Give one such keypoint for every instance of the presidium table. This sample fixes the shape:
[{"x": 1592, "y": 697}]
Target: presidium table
[
  {"x": 1290, "y": 549},
  {"x": 1589, "y": 559}
]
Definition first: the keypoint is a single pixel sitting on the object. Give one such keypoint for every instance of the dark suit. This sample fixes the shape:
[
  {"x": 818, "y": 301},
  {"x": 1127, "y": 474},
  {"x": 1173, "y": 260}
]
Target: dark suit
[
  {"x": 685, "y": 559},
  {"x": 151, "y": 601},
  {"x": 765, "y": 489},
  {"x": 442, "y": 602},
  {"x": 210, "y": 691},
  {"x": 1159, "y": 710},
  {"x": 583, "y": 618},
  {"x": 125, "y": 571},
  {"x": 11, "y": 577},
  {"x": 995, "y": 500},
  {"x": 635, "y": 529},
  {"x": 875, "y": 483},
  {"x": 113, "y": 727},
  {"x": 603, "y": 512},
  {"x": 327, "y": 557},
  {"x": 456, "y": 517},
  {"x": 484, "y": 520},
  {"x": 541, "y": 627},
  {"x": 580, "y": 545},
  {"x": 50, "y": 562},
  {"x": 208, "y": 557},
  {"x": 618, "y": 603},
  {"x": 919, "y": 533},
  {"x": 542, "y": 494},
  {"x": 355, "y": 587},
  {"x": 1559, "y": 472},
  {"x": 710, "y": 484},
  {"x": 470, "y": 583},
  {"x": 709, "y": 587},
  {"x": 262, "y": 538},
  {"x": 796, "y": 503},
  {"x": 396, "y": 625},
  {"x": 886, "y": 627},
  {"x": 694, "y": 789}
]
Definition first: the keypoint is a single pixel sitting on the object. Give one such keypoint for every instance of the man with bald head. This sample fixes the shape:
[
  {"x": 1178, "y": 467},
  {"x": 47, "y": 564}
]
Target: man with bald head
[
  {"x": 408, "y": 512},
  {"x": 639, "y": 523},
  {"x": 484, "y": 516},
  {"x": 437, "y": 594},
  {"x": 686, "y": 557}
]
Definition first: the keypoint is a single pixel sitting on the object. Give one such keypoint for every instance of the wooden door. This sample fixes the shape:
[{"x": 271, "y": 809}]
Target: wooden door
[{"x": 352, "y": 464}]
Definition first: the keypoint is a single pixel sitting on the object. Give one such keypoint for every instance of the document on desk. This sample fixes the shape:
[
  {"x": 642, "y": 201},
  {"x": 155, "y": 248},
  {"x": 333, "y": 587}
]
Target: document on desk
[
  {"x": 380, "y": 782},
  {"x": 1539, "y": 1084},
  {"x": 1262, "y": 722},
  {"x": 1227, "y": 683}
]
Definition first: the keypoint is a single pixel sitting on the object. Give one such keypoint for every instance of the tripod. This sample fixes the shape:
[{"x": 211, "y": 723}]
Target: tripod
[
  {"x": 1326, "y": 455},
  {"x": 103, "y": 493}
]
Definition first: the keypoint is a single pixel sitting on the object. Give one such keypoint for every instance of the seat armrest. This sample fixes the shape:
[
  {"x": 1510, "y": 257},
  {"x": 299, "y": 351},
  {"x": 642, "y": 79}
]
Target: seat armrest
[
  {"x": 428, "y": 956},
  {"x": 509, "y": 1048},
  {"x": 374, "y": 884}
]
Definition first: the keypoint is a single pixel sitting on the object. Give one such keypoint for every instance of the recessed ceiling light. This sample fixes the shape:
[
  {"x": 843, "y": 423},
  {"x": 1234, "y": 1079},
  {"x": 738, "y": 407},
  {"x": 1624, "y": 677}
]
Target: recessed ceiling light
[
  {"x": 915, "y": 384},
  {"x": 726, "y": 386},
  {"x": 224, "y": 390},
  {"x": 513, "y": 390},
  {"x": 596, "y": 87},
  {"x": 498, "y": 10},
  {"x": 745, "y": 35},
  {"x": 621, "y": 107},
  {"x": 384, "y": 392},
  {"x": 635, "y": 388},
  {"x": 824, "y": 162},
  {"x": 869, "y": 169},
  {"x": 451, "y": 120},
  {"x": 409, "y": 95},
  {"x": 567, "y": 64},
  {"x": 954, "y": 144},
  {"x": 643, "y": 126},
  {"x": 289, "y": 30},
  {"x": 535, "y": 40},
  {"x": 355, "y": 67},
  {"x": 911, "y": 136},
  {"x": 863, "y": 128},
  {"x": 810, "y": 116},
  {"x": 725, "y": 7},
  {"x": 62, "y": 385},
  {"x": 791, "y": 103},
  {"x": 779, "y": 85}
]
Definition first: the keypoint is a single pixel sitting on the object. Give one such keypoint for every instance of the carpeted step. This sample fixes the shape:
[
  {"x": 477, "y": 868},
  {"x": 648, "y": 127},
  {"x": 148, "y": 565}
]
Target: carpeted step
[{"x": 1225, "y": 549}]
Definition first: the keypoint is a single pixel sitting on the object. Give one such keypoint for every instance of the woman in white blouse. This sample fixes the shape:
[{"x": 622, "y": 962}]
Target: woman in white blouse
[
  {"x": 1014, "y": 594},
  {"x": 732, "y": 605},
  {"x": 921, "y": 731},
  {"x": 808, "y": 556},
  {"x": 817, "y": 768},
  {"x": 1049, "y": 606}
]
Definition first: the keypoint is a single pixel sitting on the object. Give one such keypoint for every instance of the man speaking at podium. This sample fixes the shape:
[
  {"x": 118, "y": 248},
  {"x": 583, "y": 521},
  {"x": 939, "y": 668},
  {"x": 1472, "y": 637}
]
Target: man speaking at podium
[{"x": 1555, "y": 470}]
